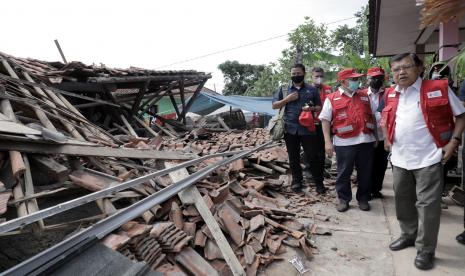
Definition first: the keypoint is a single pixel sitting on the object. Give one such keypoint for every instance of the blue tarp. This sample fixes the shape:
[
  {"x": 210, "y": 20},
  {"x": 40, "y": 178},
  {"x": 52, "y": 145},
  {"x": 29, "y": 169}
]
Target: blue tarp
[{"x": 207, "y": 102}]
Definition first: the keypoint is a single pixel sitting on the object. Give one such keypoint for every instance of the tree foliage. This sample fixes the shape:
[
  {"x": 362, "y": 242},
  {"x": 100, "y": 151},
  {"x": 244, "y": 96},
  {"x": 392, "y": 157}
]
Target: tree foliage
[
  {"x": 344, "y": 47},
  {"x": 239, "y": 77}
]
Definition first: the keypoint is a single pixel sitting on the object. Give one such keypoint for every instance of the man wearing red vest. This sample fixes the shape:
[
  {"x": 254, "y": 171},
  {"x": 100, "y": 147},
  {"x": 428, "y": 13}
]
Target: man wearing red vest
[
  {"x": 418, "y": 123},
  {"x": 375, "y": 91},
  {"x": 348, "y": 112},
  {"x": 318, "y": 76}
]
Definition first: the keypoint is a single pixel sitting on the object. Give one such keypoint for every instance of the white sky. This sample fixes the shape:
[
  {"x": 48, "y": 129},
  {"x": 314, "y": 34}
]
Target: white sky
[{"x": 151, "y": 34}]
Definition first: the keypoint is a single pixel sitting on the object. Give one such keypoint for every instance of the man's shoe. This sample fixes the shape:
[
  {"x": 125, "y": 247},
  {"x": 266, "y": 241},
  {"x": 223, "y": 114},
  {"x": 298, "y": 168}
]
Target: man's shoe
[
  {"x": 342, "y": 206},
  {"x": 377, "y": 195},
  {"x": 296, "y": 188},
  {"x": 424, "y": 260},
  {"x": 461, "y": 238},
  {"x": 326, "y": 174},
  {"x": 321, "y": 190},
  {"x": 401, "y": 243},
  {"x": 364, "y": 206}
]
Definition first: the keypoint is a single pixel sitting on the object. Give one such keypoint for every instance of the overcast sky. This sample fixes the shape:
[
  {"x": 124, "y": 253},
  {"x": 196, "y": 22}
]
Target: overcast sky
[{"x": 153, "y": 34}]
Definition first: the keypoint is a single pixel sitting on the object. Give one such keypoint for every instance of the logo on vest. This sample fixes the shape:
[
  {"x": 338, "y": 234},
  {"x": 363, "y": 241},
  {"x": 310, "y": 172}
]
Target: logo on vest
[
  {"x": 434, "y": 94},
  {"x": 364, "y": 99},
  {"x": 392, "y": 95}
]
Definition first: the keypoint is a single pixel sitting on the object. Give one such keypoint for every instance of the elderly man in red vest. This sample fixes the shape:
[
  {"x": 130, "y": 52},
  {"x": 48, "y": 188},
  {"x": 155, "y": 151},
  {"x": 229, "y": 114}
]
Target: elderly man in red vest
[
  {"x": 348, "y": 112},
  {"x": 418, "y": 123}
]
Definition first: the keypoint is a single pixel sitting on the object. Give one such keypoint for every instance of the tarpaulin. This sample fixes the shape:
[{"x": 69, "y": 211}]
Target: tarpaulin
[{"x": 207, "y": 102}]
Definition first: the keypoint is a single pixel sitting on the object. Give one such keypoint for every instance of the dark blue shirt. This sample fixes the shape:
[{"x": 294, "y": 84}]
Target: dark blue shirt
[
  {"x": 292, "y": 110},
  {"x": 462, "y": 91}
]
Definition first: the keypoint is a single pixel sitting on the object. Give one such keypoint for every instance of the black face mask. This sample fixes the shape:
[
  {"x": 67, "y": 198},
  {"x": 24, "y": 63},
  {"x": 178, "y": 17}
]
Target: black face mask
[
  {"x": 376, "y": 83},
  {"x": 297, "y": 79}
]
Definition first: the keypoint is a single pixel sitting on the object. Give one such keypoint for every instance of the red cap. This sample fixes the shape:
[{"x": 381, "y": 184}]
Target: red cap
[
  {"x": 347, "y": 74},
  {"x": 375, "y": 71}
]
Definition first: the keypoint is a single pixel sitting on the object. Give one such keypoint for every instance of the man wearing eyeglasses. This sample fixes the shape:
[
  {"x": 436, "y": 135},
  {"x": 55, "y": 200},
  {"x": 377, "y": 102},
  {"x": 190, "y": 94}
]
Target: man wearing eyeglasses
[
  {"x": 349, "y": 113},
  {"x": 418, "y": 123}
]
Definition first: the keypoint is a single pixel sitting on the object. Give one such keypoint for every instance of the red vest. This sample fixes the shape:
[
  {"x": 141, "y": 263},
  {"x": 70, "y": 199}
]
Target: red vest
[
  {"x": 434, "y": 101},
  {"x": 324, "y": 91},
  {"x": 351, "y": 116}
]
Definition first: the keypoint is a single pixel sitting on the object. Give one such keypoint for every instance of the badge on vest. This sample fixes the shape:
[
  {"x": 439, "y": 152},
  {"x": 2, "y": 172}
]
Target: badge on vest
[
  {"x": 345, "y": 129},
  {"x": 341, "y": 116},
  {"x": 434, "y": 94},
  {"x": 327, "y": 91},
  {"x": 337, "y": 98},
  {"x": 392, "y": 95},
  {"x": 364, "y": 99}
]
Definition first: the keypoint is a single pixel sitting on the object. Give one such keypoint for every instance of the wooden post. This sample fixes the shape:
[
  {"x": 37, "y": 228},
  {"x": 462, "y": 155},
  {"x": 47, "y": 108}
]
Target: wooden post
[{"x": 31, "y": 204}]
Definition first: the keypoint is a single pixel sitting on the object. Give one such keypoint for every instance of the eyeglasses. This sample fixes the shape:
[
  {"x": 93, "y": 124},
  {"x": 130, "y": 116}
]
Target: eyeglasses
[{"x": 397, "y": 70}]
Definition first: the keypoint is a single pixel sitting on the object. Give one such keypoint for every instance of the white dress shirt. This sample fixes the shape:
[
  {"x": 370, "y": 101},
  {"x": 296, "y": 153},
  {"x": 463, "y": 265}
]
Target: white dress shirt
[
  {"x": 327, "y": 114},
  {"x": 374, "y": 97},
  {"x": 413, "y": 146}
]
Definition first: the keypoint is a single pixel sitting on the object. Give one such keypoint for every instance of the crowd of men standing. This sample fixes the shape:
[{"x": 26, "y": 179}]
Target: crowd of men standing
[{"x": 419, "y": 123}]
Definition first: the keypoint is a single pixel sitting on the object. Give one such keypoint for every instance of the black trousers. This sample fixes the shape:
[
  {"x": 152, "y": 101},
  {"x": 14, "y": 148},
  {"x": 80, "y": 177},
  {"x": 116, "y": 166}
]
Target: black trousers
[
  {"x": 321, "y": 152},
  {"x": 360, "y": 155},
  {"x": 312, "y": 148},
  {"x": 380, "y": 162}
]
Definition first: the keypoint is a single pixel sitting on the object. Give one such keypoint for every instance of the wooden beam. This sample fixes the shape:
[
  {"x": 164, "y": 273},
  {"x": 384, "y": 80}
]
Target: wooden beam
[
  {"x": 183, "y": 100},
  {"x": 142, "y": 123},
  {"x": 140, "y": 95},
  {"x": 192, "y": 99},
  {"x": 175, "y": 105},
  {"x": 31, "y": 204},
  {"x": 191, "y": 195},
  {"x": 80, "y": 150},
  {"x": 128, "y": 126}
]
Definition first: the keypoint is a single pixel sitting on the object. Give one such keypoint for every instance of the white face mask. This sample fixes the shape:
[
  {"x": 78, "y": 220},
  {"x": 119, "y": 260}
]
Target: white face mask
[{"x": 319, "y": 80}]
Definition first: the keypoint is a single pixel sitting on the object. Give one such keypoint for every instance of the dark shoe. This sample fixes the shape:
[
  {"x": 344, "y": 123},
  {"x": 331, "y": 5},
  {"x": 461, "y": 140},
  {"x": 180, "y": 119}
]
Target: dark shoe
[
  {"x": 401, "y": 243},
  {"x": 321, "y": 190},
  {"x": 326, "y": 174},
  {"x": 364, "y": 206},
  {"x": 296, "y": 188},
  {"x": 307, "y": 175},
  {"x": 424, "y": 260},
  {"x": 342, "y": 206},
  {"x": 461, "y": 238},
  {"x": 377, "y": 195}
]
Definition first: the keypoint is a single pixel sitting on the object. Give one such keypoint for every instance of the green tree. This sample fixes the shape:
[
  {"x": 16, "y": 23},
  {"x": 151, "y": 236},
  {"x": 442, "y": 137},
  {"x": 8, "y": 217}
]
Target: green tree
[
  {"x": 266, "y": 84},
  {"x": 239, "y": 77}
]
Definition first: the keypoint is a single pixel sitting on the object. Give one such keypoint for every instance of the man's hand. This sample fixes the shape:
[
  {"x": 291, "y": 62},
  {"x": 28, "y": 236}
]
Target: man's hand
[
  {"x": 292, "y": 97},
  {"x": 449, "y": 149},
  {"x": 306, "y": 108},
  {"x": 387, "y": 145},
  {"x": 329, "y": 148}
]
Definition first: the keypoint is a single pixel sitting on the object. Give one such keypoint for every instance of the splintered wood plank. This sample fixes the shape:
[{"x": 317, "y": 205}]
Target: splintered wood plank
[
  {"x": 192, "y": 195},
  {"x": 81, "y": 150}
]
